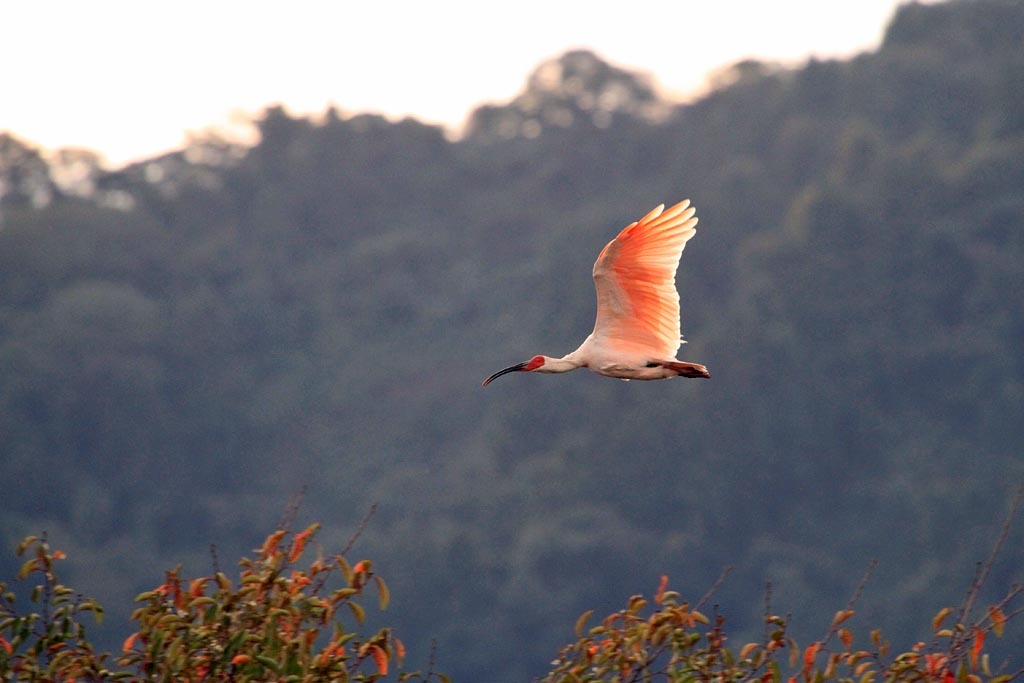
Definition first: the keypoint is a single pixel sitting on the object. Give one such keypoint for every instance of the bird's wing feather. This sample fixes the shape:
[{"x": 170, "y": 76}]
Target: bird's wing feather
[{"x": 635, "y": 277}]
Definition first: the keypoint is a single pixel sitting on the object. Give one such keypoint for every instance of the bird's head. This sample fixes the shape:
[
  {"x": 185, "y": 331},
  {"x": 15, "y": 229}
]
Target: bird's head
[{"x": 535, "y": 363}]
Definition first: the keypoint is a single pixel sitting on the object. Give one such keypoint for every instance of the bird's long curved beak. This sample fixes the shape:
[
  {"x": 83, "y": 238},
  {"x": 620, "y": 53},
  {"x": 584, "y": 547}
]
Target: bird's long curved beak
[{"x": 518, "y": 367}]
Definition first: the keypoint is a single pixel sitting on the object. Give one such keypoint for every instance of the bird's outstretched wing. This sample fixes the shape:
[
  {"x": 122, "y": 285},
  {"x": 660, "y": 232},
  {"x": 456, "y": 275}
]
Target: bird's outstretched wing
[{"x": 635, "y": 276}]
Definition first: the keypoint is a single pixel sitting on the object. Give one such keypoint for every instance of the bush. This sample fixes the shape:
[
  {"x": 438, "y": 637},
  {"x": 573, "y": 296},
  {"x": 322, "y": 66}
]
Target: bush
[
  {"x": 666, "y": 639},
  {"x": 278, "y": 621}
]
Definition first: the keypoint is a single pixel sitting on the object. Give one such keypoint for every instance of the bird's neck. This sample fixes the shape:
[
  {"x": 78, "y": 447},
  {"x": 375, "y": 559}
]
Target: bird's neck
[{"x": 565, "y": 364}]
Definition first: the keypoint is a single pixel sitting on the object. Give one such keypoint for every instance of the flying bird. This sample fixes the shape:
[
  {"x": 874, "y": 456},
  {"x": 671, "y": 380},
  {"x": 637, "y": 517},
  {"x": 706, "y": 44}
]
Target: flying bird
[{"x": 636, "y": 335}]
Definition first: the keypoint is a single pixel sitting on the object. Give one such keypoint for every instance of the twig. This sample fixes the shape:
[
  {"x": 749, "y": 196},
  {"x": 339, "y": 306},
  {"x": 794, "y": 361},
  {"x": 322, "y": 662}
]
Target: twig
[
  {"x": 292, "y": 509},
  {"x": 981, "y": 575},
  {"x": 854, "y": 599},
  {"x": 47, "y": 597},
  {"x": 359, "y": 529},
  {"x": 972, "y": 595},
  {"x": 213, "y": 558},
  {"x": 1015, "y": 590},
  {"x": 715, "y": 586},
  {"x": 433, "y": 653}
]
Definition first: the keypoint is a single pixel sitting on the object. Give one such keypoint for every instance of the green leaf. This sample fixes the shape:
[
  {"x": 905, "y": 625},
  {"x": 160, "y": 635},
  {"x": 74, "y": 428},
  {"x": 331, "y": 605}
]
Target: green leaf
[
  {"x": 232, "y": 644},
  {"x": 27, "y": 568},
  {"x": 358, "y": 611},
  {"x": 940, "y": 617},
  {"x": 269, "y": 663},
  {"x": 345, "y": 568},
  {"x": 581, "y": 622},
  {"x": 384, "y": 595},
  {"x": 25, "y": 543},
  {"x": 222, "y": 581}
]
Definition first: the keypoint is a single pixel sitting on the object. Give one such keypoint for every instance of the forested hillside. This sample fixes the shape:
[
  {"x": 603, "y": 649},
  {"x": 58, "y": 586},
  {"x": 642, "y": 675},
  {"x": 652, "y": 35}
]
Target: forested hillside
[{"x": 187, "y": 342}]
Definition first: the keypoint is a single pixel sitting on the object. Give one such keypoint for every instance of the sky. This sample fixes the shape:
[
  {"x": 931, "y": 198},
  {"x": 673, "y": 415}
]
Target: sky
[{"x": 132, "y": 78}]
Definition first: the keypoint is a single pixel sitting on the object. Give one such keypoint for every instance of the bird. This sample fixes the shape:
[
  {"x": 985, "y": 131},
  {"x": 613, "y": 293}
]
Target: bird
[{"x": 636, "y": 335}]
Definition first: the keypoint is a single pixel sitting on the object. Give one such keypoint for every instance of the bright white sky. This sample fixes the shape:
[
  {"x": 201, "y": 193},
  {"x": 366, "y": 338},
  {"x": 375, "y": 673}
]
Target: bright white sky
[{"x": 128, "y": 78}]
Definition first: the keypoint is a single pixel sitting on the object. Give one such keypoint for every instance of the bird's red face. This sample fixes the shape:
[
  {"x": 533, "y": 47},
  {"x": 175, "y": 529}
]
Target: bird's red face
[{"x": 525, "y": 366}]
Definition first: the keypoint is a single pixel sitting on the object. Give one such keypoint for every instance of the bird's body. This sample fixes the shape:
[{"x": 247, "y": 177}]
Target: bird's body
[{"x": 636, "y": 335}]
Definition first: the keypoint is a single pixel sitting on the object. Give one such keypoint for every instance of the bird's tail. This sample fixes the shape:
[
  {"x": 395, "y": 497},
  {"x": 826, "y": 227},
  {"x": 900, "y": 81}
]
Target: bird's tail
[{"x": 688, "y": 369}]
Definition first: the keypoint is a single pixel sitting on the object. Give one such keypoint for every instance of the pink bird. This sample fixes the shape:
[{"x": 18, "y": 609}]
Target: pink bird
[{"x": 636, "y": 335}]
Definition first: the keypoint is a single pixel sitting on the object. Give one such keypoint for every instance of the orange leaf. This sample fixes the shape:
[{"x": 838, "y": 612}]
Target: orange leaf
[
  {"x": 298, "y": 544},
  {"x": 399, "y": 649},
  {"x": 270, "y": 545},
  {"x": 59, "y": 555},
  {"x": 6, "y": 646},
  {"x": 979, "y": 643},
  {"x": 380, "y": 658},
  {"x": 660, "y": 595},
  {"x": 846, "y": 637},
  {"x": 998, "y": 620},
  {"x": 197, "y": 587},
  {"x": 240, "y": 659},
  {"x": 129, "y": 642},
  {"x": 809, "y": 654},
  {"x": 362, "y": 566},
  {"x": 841, "y": 616}
]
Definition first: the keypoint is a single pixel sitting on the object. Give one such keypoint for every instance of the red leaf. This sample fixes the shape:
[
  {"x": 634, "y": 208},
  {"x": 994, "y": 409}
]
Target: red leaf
[
  {"x": 809, "y": 654},
  {"x": 380, "y": 658},
  {"x": 976, "y": 647}
]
